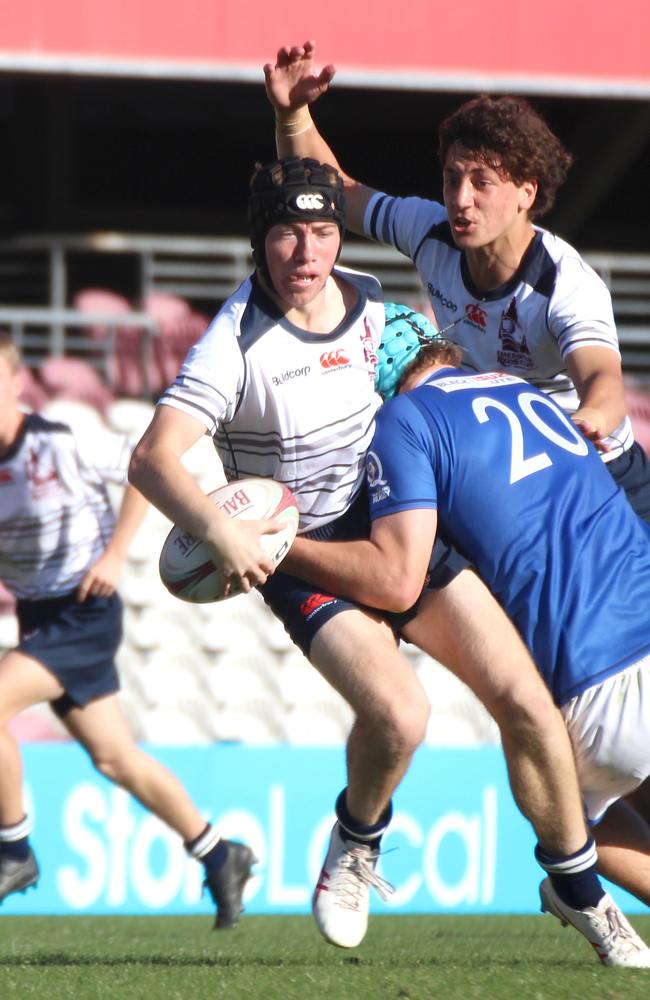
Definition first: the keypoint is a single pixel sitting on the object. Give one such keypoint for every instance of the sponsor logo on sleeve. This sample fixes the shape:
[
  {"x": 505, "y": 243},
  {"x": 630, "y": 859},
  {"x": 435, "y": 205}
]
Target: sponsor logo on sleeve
[{"x": 377, "y": 484}]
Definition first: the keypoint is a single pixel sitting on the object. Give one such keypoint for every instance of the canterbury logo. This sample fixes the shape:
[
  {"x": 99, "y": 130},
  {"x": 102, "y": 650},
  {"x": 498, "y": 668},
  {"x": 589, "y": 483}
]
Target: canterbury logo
[
  {"x": 310, "y": 202},
  {"x": 331, "y": 359},
  {"x": 313, "y": 602}
]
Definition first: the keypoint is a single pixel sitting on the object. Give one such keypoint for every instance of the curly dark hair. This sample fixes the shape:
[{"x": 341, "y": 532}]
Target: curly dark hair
[{"x": 511, "y": 137}]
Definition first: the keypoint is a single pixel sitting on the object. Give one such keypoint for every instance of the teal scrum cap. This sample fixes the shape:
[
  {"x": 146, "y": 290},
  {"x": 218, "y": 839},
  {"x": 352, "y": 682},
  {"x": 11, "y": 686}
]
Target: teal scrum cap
[{"x": 404, "y": 334}]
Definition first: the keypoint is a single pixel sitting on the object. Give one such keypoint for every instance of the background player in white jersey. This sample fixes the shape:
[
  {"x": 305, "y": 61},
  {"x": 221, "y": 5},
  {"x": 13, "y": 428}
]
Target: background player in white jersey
[
  {"x": 61, "y": 555},
  {"x": 520, "y": 492},
  {"x": 284, "y": 379},
  {"x": 519, "y": 299}
]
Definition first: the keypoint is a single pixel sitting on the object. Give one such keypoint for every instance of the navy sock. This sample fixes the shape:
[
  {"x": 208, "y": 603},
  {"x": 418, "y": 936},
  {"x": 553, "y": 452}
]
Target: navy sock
[
  {"x": 208, "y": 848},
  {"x": 362, "y": 833},
  {"x": 14, "y": 840},
  {"x": 575, "y": 876},
  {"x": 213, "y": 860},
  {"x": 17, "y": 850}
]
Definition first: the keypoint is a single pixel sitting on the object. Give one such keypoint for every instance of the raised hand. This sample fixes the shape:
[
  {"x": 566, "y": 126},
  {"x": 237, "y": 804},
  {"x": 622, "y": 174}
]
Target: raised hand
[{"x": 292, "y": 82}]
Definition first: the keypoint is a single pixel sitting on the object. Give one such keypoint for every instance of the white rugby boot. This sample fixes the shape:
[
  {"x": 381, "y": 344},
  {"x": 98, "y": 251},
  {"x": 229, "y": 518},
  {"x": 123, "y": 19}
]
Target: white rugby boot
[
  {"x": 342, "y": 895},
  {"x": 604, "y": 926}
]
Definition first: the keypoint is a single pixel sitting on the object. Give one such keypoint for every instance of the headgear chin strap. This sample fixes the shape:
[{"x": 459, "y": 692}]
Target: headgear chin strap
[{"x": 293, "y": 189}]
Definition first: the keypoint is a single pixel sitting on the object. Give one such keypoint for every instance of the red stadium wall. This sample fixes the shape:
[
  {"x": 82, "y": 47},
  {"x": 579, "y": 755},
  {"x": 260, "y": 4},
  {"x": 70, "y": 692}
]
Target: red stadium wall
[{"x": 413, "y": 43}]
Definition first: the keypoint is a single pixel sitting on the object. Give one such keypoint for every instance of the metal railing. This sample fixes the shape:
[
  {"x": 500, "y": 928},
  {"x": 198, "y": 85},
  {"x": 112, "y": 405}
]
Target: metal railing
[
  {"x": 206, "y": 270},
  {"x": 46, "y": 332}
]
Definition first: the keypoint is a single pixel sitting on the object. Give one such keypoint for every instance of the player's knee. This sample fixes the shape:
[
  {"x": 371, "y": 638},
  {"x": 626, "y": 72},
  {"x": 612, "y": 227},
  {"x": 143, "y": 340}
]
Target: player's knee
[
  {"x": 111, "y": 765},
  {"x": 403, "y": 723}
]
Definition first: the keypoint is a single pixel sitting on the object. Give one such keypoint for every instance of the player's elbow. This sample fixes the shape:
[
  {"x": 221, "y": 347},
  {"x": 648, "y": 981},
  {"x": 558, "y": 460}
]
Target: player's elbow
[
  {"x": 141, "y": 467},
  {"x": 402, "y": 592},
  {"x": 136, "y": 467}
]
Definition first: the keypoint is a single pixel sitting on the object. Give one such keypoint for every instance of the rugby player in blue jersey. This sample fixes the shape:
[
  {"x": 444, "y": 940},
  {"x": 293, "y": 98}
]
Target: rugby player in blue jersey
[
  {"x": 62, "y": 552},
  {"x": 262, "y": 383},
  {"x": 511, "y": 482}
]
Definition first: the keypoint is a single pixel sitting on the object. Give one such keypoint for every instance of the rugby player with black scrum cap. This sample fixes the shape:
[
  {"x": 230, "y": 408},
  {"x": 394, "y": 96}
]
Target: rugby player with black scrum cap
[{"x": 284, "y": 382}]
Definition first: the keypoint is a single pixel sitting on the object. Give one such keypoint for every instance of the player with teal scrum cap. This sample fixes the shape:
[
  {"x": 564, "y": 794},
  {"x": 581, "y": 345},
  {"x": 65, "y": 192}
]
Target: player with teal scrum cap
[
  {"x": 511, "y": 482},
  {"x": 284, "y": 381}
]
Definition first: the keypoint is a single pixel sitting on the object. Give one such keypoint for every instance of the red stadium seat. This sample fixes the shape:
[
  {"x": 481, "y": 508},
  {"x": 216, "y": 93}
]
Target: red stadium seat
[
  {"x": 178, "y": 328},
  {"x": 71, "y": 378},
  {"x": 34, "y": 395},
  {"x": 638, "y": 408},
  {"x": 127, "y": 368}
]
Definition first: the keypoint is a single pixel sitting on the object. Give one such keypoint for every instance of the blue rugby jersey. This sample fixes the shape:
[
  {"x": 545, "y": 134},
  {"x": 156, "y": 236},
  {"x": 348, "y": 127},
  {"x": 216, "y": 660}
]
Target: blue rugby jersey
[{"x": 527, "y": 500}]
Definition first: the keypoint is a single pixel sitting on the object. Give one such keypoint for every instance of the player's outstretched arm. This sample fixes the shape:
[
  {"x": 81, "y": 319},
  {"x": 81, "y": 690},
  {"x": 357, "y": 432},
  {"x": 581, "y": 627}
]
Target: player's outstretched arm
[
  {"x": 386, "y": 571},
  {"x": 292, "y": 84},
  {"x": 597, "y": 375}
]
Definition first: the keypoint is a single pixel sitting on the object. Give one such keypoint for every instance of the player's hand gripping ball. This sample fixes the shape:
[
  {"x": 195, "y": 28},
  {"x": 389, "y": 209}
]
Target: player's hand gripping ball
[
  {"x": 404, "y": 333},
  {"x": 186, "y": 566}
]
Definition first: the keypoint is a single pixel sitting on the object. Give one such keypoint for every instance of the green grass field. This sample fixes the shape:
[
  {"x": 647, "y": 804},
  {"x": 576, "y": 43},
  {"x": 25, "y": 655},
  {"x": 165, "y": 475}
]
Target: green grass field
[{"x": 284, "y": 958}]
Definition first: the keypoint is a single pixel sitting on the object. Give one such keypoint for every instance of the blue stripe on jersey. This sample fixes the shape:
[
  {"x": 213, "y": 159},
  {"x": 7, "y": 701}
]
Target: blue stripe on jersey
[{"x": 529, "y": 502}]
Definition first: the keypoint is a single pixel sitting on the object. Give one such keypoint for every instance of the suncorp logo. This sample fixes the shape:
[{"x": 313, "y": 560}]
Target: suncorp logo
[
  {"x": 290, "y": 374},
  {"x": 334, "y": 359},
  {"x": 435, "y": 293},
  {"x": 310, "y": 202}
]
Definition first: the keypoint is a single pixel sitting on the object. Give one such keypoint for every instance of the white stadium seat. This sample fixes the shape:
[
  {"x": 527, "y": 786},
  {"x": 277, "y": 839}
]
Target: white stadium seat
[
  {"x": 130, "y": 417},
  {"x": 316, "y": 726}
]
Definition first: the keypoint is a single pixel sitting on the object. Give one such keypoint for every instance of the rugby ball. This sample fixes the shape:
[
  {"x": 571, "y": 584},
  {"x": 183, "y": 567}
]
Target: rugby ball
[{"x": 185, "y": 565}]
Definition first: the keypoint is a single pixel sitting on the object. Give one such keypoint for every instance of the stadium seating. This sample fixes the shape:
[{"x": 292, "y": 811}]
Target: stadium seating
[
  {"x": 33, "y": 395},
  {"x": 638, "y": 407},
  {"x": 195, "y": 673},
  {"x": 178, "y": 327},
  {"x": 132, "y": 372},
  {"x": 73, "y": 379}
]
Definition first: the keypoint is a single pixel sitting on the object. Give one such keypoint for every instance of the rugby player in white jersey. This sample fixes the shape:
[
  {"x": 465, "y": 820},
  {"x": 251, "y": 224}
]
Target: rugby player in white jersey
[
  {"x": 512, "y": 483},
  {"x": 284, "y": 381},
  {"x": 61, "y": 555},
  {"x": 516, "y": 297}
]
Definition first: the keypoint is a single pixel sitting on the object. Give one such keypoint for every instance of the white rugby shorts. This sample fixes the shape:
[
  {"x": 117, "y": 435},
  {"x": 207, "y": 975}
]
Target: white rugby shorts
[{"x": 609, "y": 726}]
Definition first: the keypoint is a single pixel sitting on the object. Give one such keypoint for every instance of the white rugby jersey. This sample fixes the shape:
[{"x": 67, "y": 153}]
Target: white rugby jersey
[
  {"x": 554, "y": 303},
  {"x": 286, "y": 404},
  {"x": 56, "y": 517}
]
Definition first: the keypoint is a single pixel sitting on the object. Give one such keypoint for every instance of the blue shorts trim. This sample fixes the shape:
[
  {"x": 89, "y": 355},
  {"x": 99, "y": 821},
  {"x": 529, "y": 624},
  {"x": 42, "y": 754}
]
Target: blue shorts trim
[
  {"x": 303, "y": 610},
  {"x": 77, "y": 642}
]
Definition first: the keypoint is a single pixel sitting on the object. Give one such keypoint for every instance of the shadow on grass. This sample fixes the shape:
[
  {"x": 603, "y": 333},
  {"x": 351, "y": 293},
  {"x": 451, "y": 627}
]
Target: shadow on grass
[{"x": 62, "y": 960}]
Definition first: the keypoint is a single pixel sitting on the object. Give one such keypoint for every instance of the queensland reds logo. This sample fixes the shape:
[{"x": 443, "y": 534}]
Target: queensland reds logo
[{"x": 334, "y": 359}]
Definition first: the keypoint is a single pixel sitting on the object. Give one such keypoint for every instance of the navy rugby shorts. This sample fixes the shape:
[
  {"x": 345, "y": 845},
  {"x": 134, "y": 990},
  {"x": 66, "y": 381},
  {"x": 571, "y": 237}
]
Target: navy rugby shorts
[
  {"x": 77, "y": 642},
  {"x": 303, "y": 609},
  {"x": 631, "y": 471}
]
